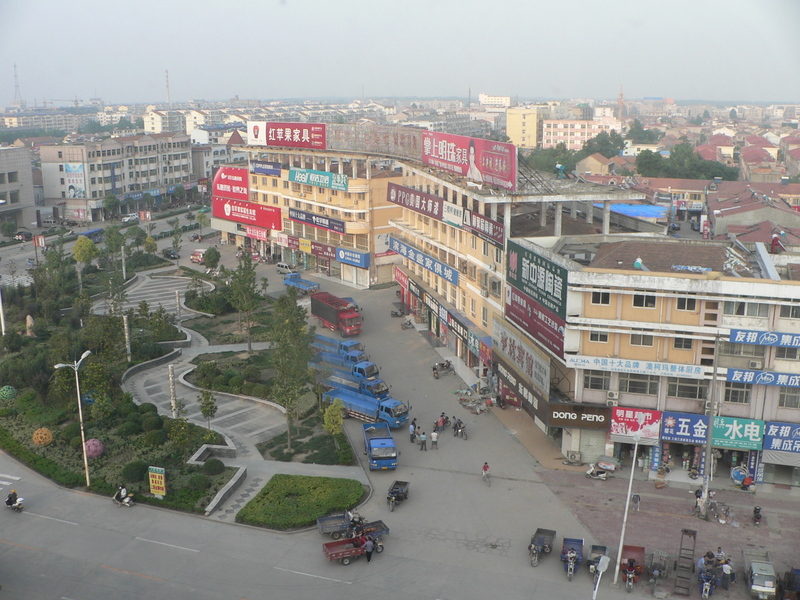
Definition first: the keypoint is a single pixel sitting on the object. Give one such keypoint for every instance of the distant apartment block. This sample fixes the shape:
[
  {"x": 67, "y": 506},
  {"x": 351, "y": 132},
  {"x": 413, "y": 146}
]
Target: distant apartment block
[
  {"x": 575, "y": 133},
  {"x": 487, "y": 100},
  {"x": 17, "y": 203},
  {"x": 524, "y": 125}
]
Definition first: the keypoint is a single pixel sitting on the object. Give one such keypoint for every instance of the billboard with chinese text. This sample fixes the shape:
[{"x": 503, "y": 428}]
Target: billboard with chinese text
[
  {"x": 425, "y": 204},
  {"x": 482, "y": 161},
  {"x": 544, "y": 326},
  {"x": 287, "y": 135},
  {"x": 232, "y": 182},
  {"x": 436, "y": 267},
  {"x": 626, "y": 423},
  {"x": 523, "y": 355},
  {"x": 538, "y": 277},
  {"x": 322, "y": 179},
  {"x": 248, "y": 213},
  {"x": 736, "y": 433}
]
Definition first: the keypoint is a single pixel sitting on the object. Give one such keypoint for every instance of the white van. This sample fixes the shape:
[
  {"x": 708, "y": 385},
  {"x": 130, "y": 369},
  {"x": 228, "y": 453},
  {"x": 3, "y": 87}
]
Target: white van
[
  {"x": 284, "y": 268},
  {"x": 49, "y": 222}
]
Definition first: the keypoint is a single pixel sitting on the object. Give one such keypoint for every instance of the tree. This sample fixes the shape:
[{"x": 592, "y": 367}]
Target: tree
[
  {"x": 546, "y": 159},
  {"x": 115, "y": 241},
  {"x": 208, "y": 406},
  {"x": 333, "y": 417},
  {"x": 111, "y": 204},
  {"x": 639, "y": 135},
  {"x": 243, "y": 294},
  {"x": 211, "y": 258},
  {"x": 733, "y": 114},
  {"x": 136, "y": 235},
  {"x": 179, "y": 194},
  {"x": 203, "y": 220},
  {"x": 291, "y": 338},
  {"x": 150, "y": 245},
  {"x": 190, "y": 217},
  {"x": 607, "y": 144},
  {"x": 140, "y": 123},
  {"x": 84, "y": 251},
  {"x": 649, "y": 164},
  {"x": 176, "y": 244},
  {"x": 8, "y": 229},
  {"x": 706, "y": 114}
]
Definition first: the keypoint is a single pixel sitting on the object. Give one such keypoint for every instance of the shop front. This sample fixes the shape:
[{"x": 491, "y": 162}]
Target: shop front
[
  {"x": 780, "y": 456},
  {"x": 683, "y": 441},
  {"x": 628, "y": 424},
  {"x": 347, "y": 265},
  {"x": 583, "y": 427},
  {"x": 737, "y": 442},
  {"x": 518, "y": 391}
]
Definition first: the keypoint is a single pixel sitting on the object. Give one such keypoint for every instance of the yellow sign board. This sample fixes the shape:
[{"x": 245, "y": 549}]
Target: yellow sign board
[
  {"x": 305, "y": 246},
  {"x": 158, "y": 484}
]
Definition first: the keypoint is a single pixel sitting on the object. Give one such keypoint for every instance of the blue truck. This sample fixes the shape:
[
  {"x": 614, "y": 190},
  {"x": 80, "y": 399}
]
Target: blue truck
[
  {"x": 379, "y": 446},
  {"x": 329, "y": 344},
  {"x": 372, "y": 410},
  {"x": 361, "y": 370},
  {"x": 303, "y": 286},
  {"x": 375, "y": 388}
]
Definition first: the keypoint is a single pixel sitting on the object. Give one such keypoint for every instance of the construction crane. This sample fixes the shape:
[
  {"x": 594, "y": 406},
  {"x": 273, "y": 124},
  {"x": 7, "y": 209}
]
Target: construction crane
[{"x": 74, "y": 101}]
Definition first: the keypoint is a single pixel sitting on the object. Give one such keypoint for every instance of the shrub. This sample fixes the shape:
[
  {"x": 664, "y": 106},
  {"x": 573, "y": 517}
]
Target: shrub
[
  {"x": 213, "y": 466},
  {"x": 235, "y": 383},
  {"x": 127, "y": 429},
  {"x": 198, "y": 481},
  {"x": 134, "y": 471},
  {"x": 45, "y": 466},
  {"x": 70, "y": 431},
  {"x": 76, "y": 442},
  {"x": 148, "y": 407},
  {"x": 156, "y": 437},
  {"x": 152, "y": 423},
  {"x": 260, "y": 390},
  {"x": 251, "y": 373},
  {"x": 220, "y": 383}
]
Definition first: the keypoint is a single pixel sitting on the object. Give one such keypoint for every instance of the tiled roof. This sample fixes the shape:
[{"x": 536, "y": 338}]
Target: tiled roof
[
  {"x": 757, "y": 140},
  {"x": 763, "y": 232},
  {"x": 660, "y": 256},
  {"x": 707, "y": 151},
  {"x": 755, "y": 154},
  {"x": 720, "y": 140}
]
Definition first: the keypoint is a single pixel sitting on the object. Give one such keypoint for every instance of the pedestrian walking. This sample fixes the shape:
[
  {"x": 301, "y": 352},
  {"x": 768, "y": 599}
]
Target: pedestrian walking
[
  {"x": 412, "y": 431},
  {"x": 423, "y": 441},
  {"x": 727, "y": 571},
  {"x": 369, "y": 546},
  {"x": 434, "y": 440}
]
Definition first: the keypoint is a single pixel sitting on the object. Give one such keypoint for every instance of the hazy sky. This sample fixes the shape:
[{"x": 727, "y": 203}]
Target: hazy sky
[{"x": 272, "y": 49}]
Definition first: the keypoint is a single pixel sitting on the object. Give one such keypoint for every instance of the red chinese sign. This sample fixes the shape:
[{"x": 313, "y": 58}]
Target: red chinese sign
[
  {"x": 256, "y": 233},
  {"x": 248, "y": 213},
  {"x": 482, "y": 161},
  {"x": 636, "y": 421},
  {"x": 232, "y": 182},
  {"x": 287, "y": 135}
]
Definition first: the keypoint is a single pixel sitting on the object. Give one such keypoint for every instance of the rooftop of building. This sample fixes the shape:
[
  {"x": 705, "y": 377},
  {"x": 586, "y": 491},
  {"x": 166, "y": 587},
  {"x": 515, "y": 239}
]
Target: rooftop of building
[{"x": 662, "y": 256}]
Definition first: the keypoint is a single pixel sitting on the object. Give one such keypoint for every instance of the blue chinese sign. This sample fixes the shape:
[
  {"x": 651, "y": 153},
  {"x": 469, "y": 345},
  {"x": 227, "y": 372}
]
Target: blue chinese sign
[
  {"x": 308, "y": 218},
  {"x": 684, "y": 428},
  {"x": 352, "y": 257},
  {"x": 322, "y": 179},
  {"x": 784, "y": 437},
  {"x": 739, "y": 434},
  {"x": 764, "y": 378},
  {"x": 436, "y": 267},
  {"x": 262, "y": 167},
  {"x": 765, "y": 338}
]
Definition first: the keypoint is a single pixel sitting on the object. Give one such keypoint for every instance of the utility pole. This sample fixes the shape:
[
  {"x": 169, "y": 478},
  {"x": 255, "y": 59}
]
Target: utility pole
[
  {"x": 169, "y": 101},
  {"x": 708, "y": 472}
]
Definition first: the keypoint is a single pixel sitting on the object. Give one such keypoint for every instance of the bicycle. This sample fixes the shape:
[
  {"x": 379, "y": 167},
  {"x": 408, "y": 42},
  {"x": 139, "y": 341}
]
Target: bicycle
[
  {"x": 487, "y": 478},
  {"x": 636, "y": 500}
]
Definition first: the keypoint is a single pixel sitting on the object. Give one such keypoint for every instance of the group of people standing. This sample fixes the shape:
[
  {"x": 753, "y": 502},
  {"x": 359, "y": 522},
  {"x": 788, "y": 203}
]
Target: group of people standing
[
  {"x": 718, "y": 566},
  {"x": 417, "y": 436}
]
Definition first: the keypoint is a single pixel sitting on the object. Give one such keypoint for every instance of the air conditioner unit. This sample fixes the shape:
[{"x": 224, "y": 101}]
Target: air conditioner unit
[
  {"x": 756, "y": 364},
  {"x": 707, "y": 407},
  {"x": 612, "y": 403},
  {"x": 485, "y": 293},
  {"x": 611, "y": 395},
  {"x": 492, "y": 267},
  {"x": 574, "y": 457}
]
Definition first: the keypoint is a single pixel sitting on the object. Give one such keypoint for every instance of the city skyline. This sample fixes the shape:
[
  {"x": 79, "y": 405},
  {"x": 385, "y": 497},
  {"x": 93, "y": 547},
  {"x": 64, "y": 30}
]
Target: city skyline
[{"x": 717, "y": 51}]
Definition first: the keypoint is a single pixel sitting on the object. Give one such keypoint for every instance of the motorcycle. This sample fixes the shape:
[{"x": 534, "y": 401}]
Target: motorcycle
[
  {"x": 596, "y": 473},
  {"x": 441, "y": 368},
  {"x": 398, "y": 313},
  {"x": 757, "y": 515},
  {"x": 706, "y": 580},
  {"x": 460, "y": 429},
  {"x": 407, "y": 324},
  {"x": 630, "y": 575},
  {"x": 123, "y": 498},
  {"x": 445, "y": 423},
  {"x": 500, "y": 401},
  {"x": 17, "y": 505}
]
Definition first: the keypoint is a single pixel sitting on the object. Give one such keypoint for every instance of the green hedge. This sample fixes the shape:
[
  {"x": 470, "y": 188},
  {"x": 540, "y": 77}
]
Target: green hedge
[
  {"x": 42, "y": 464},
  {"x": 292, "y": 501}
]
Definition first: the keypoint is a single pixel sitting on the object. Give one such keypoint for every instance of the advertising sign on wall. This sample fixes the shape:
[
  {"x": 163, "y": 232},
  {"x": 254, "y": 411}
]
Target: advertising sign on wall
[
  {"x": 764, "y": 378},
  {"x": 520, "y": 388},
  {"x": 484, "y": 227},
  {"x": 436, "y": 267},
  {"x": 482, "y": 161},
  {"x": 322, "y": 179},
  {"x": 256, "y": 233},
  {"x": 543, "y": 325},
  {"x": 323, "y": 250},
  {"x": 736, "y": 433},
  {"x": 75, "y": 180},
  {"x": 452, "y": 214},
  {"x": 784, "y": 437},
  {"x": 541, "y": 279},
  {"x": 579, "y": 416},
  {"x": 765, "y": 338},
  {"x": 158, "y": 484},
  {"x": 424, "y": 204},
  {"x": 263, "y": 167},
  {"x": 287, "y": 135},
  {"x": 684, "y": 428},
  {"x": 523, "y": 356},
  {"x": 320, "y": 221},
  {"x": 353, "y": 257},
  {"x": 627, "y": 422},
  {"x": 248, "y": 213},
  {"x": 232, "y": 182},
  {"x": 626, "y": 365},
  {"x": 401, "y": 277}
]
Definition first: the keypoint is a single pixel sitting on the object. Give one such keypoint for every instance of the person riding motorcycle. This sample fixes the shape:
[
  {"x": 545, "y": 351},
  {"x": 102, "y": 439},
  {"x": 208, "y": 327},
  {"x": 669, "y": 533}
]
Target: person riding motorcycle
[
  {"x": 457, "y": 427},
  {"x": 11, "y": 499},
  {"x": 120, "y": 495}
]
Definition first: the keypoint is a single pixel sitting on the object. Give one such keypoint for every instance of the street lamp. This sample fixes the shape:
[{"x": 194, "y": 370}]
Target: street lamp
[
  {"x": 75, "y": 366},
  {"x": 636, "y": 439}
]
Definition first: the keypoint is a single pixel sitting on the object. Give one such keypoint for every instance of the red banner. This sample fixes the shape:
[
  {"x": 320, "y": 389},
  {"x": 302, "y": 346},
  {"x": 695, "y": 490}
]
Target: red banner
[
  {"x": 424, "y": 204},
  {"x": 256, "y": 233},
  {"x": 640, "y": 421},
  {"x": 323, "y": 250},
  {"x": 248, "y": 213},
  {"x": 232, "y": 182},
  {"x": 401, "y": 278},
  {"x": 293, "y": 243},
  {"x": 482, "y": 161},
  {"x": 287, "y": 135},
  {"x": 532, "y": 317}
]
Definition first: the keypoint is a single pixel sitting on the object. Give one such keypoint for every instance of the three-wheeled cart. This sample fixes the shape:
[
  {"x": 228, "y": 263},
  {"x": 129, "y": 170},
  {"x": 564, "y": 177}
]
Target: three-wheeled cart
[
  {"x": 631, "y": 565},
  {"x": 376, "y": 530},
  {"x": 346, "y": 550},
  {"x": 595, "y": 554},
  {"x": 789, "y": 585},
  {"x": 336, "y": 525},
  {"x": 398, "y": 492},
  {"x": 572, "y": 555},
  {"x": 541, "y": 543}
]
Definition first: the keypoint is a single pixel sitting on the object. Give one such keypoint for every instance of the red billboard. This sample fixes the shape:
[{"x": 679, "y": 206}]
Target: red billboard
[
  {"x": 532, "y": 317},
  {"x": 232, "y": 182},
  {"x": 482, "y": 161},
  {"x": 287, "y": 135},
  {"x": 248, "y": 213}
]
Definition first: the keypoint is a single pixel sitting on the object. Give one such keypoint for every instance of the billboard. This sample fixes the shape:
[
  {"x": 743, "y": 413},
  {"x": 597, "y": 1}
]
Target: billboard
[
  {"x": 791, "y": 380},
  {"x": 736, "y": 433},
  {"x": 579, "y": 416},
  {"x": 425, "y": 204},
  {"x": 539, "y": 278},
  {"x": 287, "y": 135},
  {"x": 482, "y": 161},
  {"x": 628, "y": 365},
  {"x": 353, "y": 257},
  {"x": 628, "y": 422},
  {"x": 319, "y": 221},
  {"x": 765, "y": 338},
  {"x": 522, "y": 354},
  {"x": 484, "y": 227},
  {"x": 684, "y": 428},
  {"x": 231, "y": 182},
  {"x": 322, "y": 179},
  {"x": 248, "y": 213},
  {"x": 75, "y": 180},
  {"x": 541, "y": 324},
  {"x": 423, "y": 260},
  {"x": 263, "y": 167},
  {"x": 783, "y": 437}
]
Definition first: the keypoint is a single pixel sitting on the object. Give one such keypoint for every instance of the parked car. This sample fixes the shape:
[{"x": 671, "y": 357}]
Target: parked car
[
  {"x": 695, "y": 226},
  {"x": 675, "y": 226},
  {"x": 205, "y": 209},
  {"x": 23, "y": 236},
  {"x": 284, "y": 268},
  {"x": 198, "y": 256},
  {"x": 130, "y": 217},
  {"x": 170, "y": 254}
]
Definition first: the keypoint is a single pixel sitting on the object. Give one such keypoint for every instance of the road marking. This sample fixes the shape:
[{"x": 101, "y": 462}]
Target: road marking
[
  {"x": 19, "y": 545},
  {"x": 4, "y": 476},
  {"x": 131, "y": 573},
  {"x": 50, "y": 518},
  {"x": 312, "y": 575},
  {"x": 165, "y": 544}
]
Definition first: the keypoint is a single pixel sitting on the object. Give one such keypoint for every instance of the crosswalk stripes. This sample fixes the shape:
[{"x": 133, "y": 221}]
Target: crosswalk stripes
[{"x": 156, "y": 291}]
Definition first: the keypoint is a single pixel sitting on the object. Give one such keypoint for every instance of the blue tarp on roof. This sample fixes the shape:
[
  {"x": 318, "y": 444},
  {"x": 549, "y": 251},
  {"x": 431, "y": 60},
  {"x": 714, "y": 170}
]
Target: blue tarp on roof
[{"x": 640, "y": 211}]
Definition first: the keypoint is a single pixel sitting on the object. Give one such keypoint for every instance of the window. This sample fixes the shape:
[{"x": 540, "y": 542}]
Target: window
[
  {"x": 682, "y": 343},
  {"x": 60, "y": 167},
  {"x": 687, "y": 304},
  {"x": 598, "y": 336},
  {"x": 637, "y": 383},
  {"x": 2, "y": 177},
  {"x": 484, "y": 316},
  {"x": 789, "y": 398},
  {"x": 644, "y": 301},
  {"x": 472, "y": 306},
  {"x": 730, "y": 349},
  {"x": 738, "y": 393},
  {"x": 473, "y": 242},
  {"x": 786, "y": 353},
  {"x": 498, "y": 256},
  {"x": 13, "y": 196},
  {"x": 745, "y": 309},
  {"x": 641, "y": 339},
  {"x": 486, "y": 248},
  {"x": 596, "y": 380},
  {"x": 601, "y": 298},
  {"x": 790, "y": 312},
  {"x": 694, "y": 389}
]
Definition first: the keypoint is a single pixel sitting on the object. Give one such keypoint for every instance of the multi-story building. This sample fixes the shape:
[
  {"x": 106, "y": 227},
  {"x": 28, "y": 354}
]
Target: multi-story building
[
  {"x": 45, "y": 119},
  {"x": 524, "y": 125},
  {"x": 78, "y": 177},
  {"x": 575, "y": 133},
  {"x": 487, "y": 100},
  {"x": 164, "y": 121},
  {"x": 17, "y": 198}
]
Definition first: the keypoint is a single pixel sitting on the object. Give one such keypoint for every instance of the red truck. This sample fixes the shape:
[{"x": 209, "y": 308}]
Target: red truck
[{"x": 336, "y": 314}]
